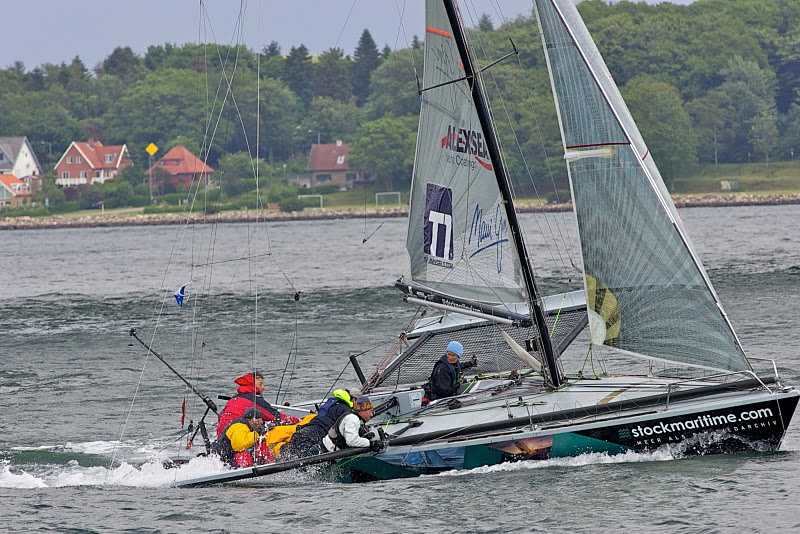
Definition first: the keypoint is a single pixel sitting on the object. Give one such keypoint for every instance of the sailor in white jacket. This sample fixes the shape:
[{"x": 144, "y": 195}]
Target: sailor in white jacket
[{"x": 350, "y": 429}]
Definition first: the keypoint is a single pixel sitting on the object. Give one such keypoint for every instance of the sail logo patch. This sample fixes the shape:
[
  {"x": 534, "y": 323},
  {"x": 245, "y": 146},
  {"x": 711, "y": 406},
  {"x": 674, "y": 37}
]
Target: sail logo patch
[
  {"x": 460, "y": 141},
  {"x": 438, "y": 229}
]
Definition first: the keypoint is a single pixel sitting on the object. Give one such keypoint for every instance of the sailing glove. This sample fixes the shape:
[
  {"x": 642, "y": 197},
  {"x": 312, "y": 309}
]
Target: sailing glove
[{"x": 377, "y": 446}]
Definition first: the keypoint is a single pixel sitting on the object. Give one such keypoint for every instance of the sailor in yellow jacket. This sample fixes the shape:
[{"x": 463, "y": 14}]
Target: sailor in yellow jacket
[{"x": 234, "y": 444}]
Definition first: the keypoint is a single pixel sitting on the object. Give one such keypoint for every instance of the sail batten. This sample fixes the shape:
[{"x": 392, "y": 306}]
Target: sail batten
[{"x": 647, "y": 292}]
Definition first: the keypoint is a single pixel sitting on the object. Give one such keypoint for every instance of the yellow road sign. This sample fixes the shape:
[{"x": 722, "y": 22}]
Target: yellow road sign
[{"x": 151, "y": 149}]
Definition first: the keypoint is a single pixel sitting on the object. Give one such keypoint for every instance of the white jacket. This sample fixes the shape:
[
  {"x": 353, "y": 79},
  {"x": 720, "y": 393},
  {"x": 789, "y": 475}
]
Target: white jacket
[{"x": 348, "y": 427}]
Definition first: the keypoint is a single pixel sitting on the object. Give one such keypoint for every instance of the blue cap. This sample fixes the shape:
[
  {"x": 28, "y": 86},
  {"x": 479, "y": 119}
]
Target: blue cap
[{"x": 456, "y": 348}]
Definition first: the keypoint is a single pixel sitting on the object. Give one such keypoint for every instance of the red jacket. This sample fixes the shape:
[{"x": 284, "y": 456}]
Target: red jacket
[{"x": 246, "y": 396}]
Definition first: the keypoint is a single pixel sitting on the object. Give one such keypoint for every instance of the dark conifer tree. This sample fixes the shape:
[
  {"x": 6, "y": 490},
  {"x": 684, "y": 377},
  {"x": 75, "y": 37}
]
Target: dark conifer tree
[
  {"x": 365, "y": 60},
  {"x": 298, "y": 73}
]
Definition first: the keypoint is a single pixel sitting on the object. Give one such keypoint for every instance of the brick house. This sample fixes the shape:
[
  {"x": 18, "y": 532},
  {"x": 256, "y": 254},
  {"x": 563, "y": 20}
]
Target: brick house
[
  {"x": 180, "y": 167},
  {"x": 13, "y": 191},
  {"x": 91, "y": 163},
  {"x": 327, "y": 164}
]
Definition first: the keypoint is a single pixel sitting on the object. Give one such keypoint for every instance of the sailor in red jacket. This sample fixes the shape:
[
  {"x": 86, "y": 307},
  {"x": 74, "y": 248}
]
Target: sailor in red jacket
[{"x": 251, "y": 386}]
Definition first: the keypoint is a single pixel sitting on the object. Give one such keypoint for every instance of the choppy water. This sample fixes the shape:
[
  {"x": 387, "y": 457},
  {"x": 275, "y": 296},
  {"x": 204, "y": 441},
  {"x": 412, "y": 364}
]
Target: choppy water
[{"x": 76, "y": 393}]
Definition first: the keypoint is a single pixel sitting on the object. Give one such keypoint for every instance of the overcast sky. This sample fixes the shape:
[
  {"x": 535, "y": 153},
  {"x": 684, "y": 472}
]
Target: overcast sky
[{"x": 54, "y": 31}]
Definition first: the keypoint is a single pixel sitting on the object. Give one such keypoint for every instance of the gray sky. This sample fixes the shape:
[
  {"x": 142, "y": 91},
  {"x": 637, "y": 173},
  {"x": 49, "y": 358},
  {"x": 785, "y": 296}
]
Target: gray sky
[{"x": 48, "y": 31}]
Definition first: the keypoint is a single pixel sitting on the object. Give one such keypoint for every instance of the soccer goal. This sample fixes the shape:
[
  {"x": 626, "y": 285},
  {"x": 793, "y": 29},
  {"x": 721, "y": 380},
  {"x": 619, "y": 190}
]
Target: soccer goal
[{"x": 380, "y": 198}]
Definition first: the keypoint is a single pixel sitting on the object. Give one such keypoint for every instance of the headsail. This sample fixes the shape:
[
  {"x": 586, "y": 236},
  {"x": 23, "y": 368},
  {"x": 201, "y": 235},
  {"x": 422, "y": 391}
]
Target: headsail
[{"x": 647, "y": 291}]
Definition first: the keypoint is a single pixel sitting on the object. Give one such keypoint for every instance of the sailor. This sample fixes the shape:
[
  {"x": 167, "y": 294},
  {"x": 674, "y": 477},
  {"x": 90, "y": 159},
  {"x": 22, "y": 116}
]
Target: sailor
[
  {"x": 248, "y": 394},
  {"x": 350, "y": 430},
  {"x": 307, "y": 439},
  {"x": 446, "y": 376},
  {"x": 241, "y": 440}
]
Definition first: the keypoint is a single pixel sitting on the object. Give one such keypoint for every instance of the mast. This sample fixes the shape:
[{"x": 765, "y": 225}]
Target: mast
[{"x": 484, "y": 116}]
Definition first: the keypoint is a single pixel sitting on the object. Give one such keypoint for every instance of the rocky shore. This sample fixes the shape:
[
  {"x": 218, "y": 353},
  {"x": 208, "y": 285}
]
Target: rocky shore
[{"x": 139, "y": 219}]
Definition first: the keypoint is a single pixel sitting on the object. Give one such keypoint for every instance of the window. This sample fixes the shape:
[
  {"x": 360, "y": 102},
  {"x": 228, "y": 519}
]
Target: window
[
  {"x": 84, "y": 174},
  {"x": 350, "y": 177},
  {"x": 340, "y": 160},
  {"x": 97, "y": 174},
  {"x": 323, "y": 177},
  {"x": 110, "y": 158},
  {"x": 65, "y": 174},
  {"x": 2, "y": 157},
  {"x": 69, "y": 159},
  {"x": 78, "y": 159}
]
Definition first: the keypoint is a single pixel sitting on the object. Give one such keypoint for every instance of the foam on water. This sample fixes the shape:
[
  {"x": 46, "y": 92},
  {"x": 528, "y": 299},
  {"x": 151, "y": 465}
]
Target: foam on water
[
  {"x": 595, "y": 458},
  {"x": 148, "y": 475}
]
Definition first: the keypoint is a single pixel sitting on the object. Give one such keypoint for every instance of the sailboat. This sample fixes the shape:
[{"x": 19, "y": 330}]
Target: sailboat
[{"x": 645, "y": 294}]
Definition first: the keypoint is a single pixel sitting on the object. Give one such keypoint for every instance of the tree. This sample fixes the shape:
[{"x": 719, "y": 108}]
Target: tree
[
  {"x": 332, "y": 119},
  {"x": 124, "y": 64},
  {"x": 272, "y": 62},
  {"x": 485, "y": 23},
  {"x": 332, "y": 76},
  {"x": 764, "y": 134},
  {"x": 365, "y": 60},
  {"x": 752, "y": 91},
  {"x": 712, "y": 116},
  {"x": 235, "y": 171},
  {"x": 298, "y": 73},
  {"x": 384, "y": 150},
  {"x": 393, "y": 88},
  {"x": 664, "y": 124}
]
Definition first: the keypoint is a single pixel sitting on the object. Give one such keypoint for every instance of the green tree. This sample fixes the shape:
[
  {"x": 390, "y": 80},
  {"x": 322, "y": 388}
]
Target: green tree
[
  {"x": 124, "y": 64},
  {"x": 365, "y": 60},
  {"x": 384, "y": 151},
  {"x": 332, "y": 76},
  {"x": 764, "y": 134},
  {"x": 393, "y": 87},
  {"x": 712, "y": 116},
  {"x": 298, "y": 73},
  {"x": 665, "y": 126},
  {"x": 752, "y": 91},
  {"x": 485, "y": 23},
  {"x": 333, "y": 119},
  {"x": 272, "y": 62}
]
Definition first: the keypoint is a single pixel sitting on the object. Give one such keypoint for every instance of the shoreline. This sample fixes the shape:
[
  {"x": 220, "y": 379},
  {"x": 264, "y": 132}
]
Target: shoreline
[{"x": 314, "y": 214}]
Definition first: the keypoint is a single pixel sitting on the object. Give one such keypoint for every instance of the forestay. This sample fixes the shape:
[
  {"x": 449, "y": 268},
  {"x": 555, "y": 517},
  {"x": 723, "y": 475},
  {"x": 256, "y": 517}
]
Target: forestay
[{"x": 647, "y": 292}]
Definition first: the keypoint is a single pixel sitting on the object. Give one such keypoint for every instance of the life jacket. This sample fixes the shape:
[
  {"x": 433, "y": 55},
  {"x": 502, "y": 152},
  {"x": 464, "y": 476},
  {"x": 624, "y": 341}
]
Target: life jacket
[
  {"x": 335, "y": 433},
  {"x": 280, "y": 435}
]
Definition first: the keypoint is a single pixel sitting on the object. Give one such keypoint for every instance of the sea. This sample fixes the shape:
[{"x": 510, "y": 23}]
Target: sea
[{"x": 88, "y": 416}]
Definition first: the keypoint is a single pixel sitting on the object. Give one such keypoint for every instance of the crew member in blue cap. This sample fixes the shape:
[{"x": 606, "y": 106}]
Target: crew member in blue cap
[{"x": 446, "y": 375}]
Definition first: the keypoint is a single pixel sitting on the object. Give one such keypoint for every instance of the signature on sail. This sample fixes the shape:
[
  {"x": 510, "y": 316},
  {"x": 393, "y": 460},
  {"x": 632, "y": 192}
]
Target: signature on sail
[{"x": 489, "y": 232}]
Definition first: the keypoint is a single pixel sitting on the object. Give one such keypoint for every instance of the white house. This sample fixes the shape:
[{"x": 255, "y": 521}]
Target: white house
[{"x": 17, "y": 158}]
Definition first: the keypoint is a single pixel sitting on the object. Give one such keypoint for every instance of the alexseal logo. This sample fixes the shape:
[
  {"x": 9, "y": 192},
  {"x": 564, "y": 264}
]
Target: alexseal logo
[
  {"x": 438, "y": 229},
  {"x": 462, "y": 141}
]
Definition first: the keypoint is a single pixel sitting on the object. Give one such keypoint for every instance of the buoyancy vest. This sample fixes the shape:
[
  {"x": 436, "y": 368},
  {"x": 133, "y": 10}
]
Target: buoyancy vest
[
  {"x": 325, "y": 419},
  {"x": 335, "y": 433}
]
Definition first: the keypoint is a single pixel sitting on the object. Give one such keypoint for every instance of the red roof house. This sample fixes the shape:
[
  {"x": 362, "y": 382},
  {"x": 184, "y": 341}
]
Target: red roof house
[
  {"x": 90, "y": 163},
  {"x": 327, "y": 164},
  {"x": 13, "y": 191},
  {"x": 179, "y": 166}
]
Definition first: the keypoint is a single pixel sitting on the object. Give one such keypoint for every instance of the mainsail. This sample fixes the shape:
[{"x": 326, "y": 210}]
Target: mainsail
[
  {"x": 647, "y": 292},
  {"x": 459, "y": 238}
]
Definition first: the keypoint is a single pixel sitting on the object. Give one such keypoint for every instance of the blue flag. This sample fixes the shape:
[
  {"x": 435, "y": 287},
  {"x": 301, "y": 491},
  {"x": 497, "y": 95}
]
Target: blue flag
[{"x": 180, "y": 294}]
